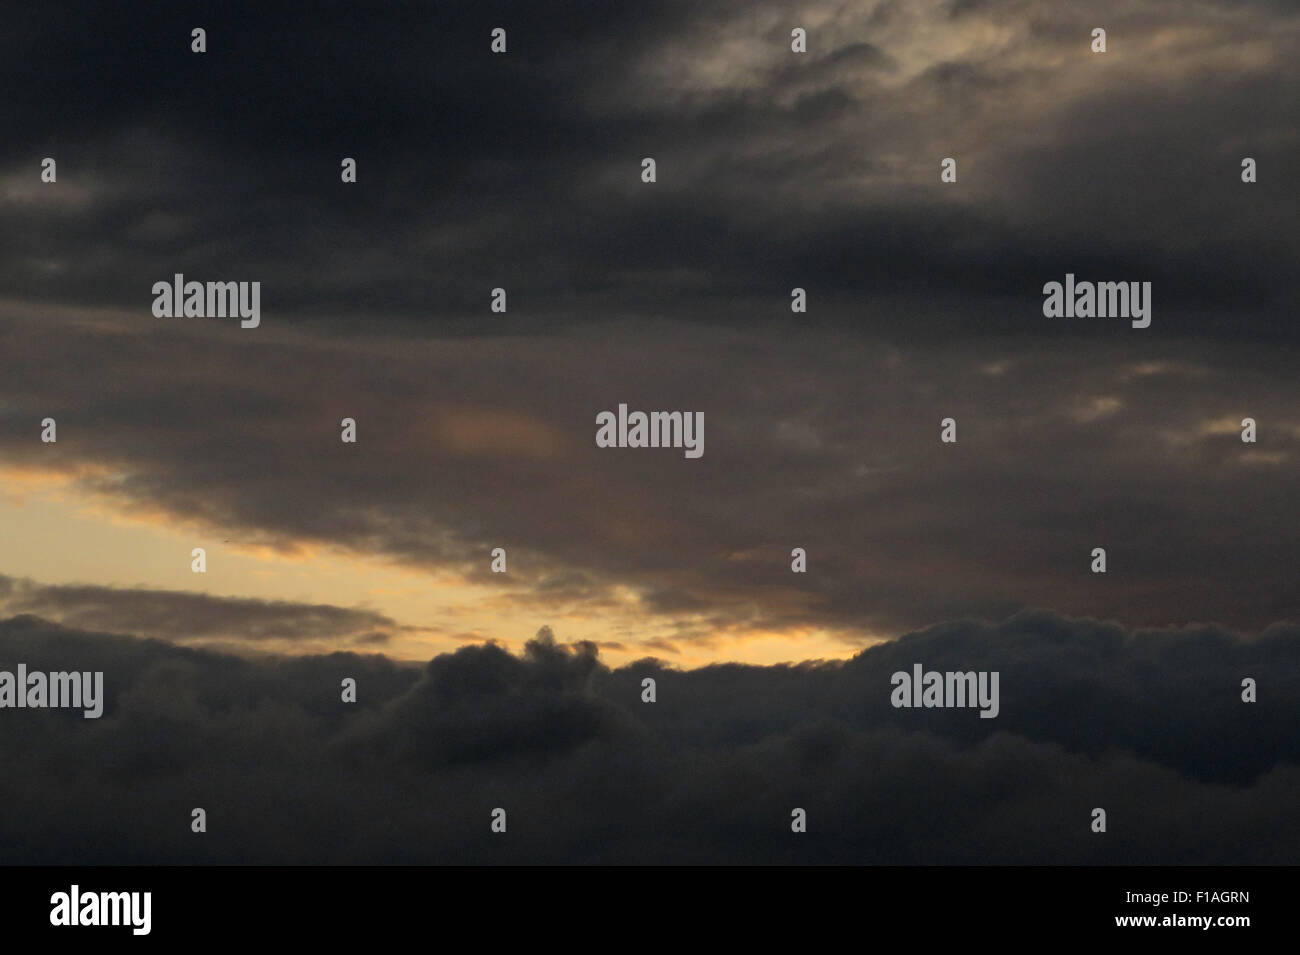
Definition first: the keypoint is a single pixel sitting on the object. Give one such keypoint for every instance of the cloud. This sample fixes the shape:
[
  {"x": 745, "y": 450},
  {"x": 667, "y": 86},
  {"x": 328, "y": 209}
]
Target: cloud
[
  {"x": 1146, "y": 724},
  {"x": 182, "y": 615},
  {"x": 776, "y": 169},
  {"x": 232, "y": 434}
]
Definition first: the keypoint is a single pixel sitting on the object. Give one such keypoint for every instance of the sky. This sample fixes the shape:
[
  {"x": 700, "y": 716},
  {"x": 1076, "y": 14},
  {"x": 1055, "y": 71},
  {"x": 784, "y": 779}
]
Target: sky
[{"x": 476, "y": 430}]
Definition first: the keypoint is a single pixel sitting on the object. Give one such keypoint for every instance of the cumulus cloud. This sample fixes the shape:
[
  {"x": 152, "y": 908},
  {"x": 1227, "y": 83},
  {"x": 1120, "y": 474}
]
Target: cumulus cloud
[{"x": 1146, "y": 724}]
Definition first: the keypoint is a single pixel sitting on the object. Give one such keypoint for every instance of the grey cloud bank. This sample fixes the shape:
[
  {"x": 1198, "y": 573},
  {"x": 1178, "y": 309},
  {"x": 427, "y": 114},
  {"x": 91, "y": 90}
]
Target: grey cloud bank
[
  {"x": 825, "y": 440},
  {"x": 1148, "y": 724}
]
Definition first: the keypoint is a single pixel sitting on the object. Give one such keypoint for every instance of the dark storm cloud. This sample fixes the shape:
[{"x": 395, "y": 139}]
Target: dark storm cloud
[
  {"x": 1148, "y": 725},
  {"x": 181, "y": 615},
  {"x": 776, "y": 169}
]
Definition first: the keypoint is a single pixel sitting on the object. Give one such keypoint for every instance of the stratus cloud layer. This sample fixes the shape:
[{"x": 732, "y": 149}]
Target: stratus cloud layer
[
  {"x": 181, "y": 616},
  {"x": 826, "y": 442},
  {"x": 1147, "y": 725}
]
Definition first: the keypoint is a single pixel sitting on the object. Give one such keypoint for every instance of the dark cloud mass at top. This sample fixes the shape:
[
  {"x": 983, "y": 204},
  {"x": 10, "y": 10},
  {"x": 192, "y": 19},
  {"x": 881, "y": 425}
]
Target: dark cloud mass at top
[{"x": 522, "y": 170}]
